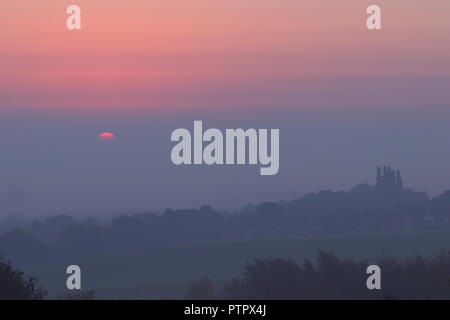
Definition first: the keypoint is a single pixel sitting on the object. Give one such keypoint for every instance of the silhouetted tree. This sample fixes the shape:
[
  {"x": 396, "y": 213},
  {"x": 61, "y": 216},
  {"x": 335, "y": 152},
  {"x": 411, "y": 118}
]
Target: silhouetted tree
[
  {"x": 202, "y": 289},
  {"x": 14, "y": 285},
  {"x": 399, "y": 180}
]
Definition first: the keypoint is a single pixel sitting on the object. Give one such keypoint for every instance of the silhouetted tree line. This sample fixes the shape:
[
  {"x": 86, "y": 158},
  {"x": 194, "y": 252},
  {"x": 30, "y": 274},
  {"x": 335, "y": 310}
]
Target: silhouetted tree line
[
  {"x": 332, "y": 278},
  {"x": 387, "y": 205}
]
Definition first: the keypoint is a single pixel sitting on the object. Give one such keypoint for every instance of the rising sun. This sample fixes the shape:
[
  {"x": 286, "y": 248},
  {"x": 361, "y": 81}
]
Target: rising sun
[{"x": 107, "y": 136}]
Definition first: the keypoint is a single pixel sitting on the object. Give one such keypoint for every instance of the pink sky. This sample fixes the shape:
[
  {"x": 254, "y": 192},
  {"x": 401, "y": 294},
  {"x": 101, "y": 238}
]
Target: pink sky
[{"x": 170, "y": 54}]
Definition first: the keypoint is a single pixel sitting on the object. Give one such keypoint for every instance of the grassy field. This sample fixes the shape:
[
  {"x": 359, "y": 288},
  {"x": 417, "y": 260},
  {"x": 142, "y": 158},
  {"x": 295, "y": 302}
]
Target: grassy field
[{"x": 167, "y": 272}]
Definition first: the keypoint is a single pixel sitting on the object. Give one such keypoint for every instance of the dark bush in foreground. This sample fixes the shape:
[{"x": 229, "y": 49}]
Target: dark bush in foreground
[
  {"x": 333, "y": 278},
  {"x": 14, "y": 285}
]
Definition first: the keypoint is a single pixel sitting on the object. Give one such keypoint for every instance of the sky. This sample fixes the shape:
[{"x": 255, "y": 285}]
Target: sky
[{"x": 345, "y": 99}]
